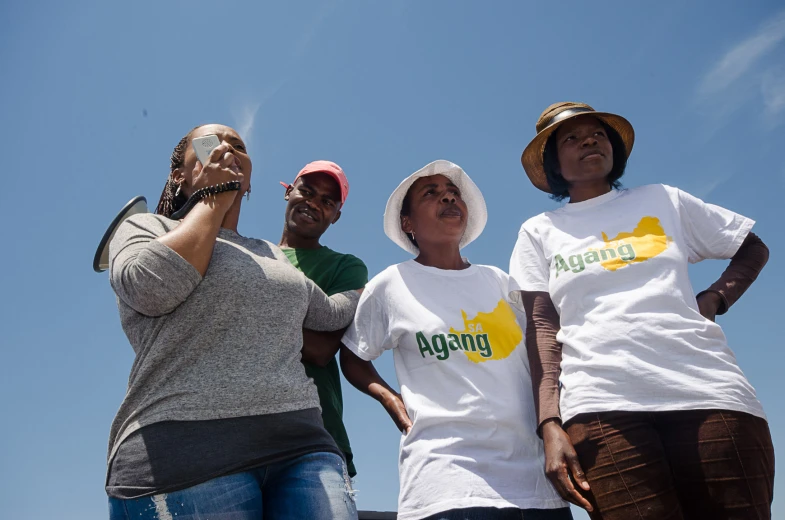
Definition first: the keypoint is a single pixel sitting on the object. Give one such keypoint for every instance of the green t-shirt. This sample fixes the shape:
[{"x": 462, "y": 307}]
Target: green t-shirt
[{"x": 333, "y": 272}]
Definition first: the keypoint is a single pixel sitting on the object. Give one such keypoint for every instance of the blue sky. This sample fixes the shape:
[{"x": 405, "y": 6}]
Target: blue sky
[{"x": 94, "y": 96}]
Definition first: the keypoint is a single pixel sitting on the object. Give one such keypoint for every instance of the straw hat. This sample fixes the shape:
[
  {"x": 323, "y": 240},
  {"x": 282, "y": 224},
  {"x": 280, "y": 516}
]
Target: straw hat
[
  {"x": 470, "y": 193},
  {"x": 549, "y": 122}
]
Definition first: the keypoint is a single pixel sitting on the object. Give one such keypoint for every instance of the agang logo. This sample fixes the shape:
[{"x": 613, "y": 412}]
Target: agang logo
[
  {"x": 487, "y": 336},
  {"x": 646, "y": 241}
]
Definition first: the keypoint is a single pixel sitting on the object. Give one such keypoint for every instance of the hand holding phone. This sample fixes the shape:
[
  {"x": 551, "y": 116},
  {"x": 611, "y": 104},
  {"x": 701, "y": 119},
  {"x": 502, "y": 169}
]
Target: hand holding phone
[{"x": 203, "y": 146}]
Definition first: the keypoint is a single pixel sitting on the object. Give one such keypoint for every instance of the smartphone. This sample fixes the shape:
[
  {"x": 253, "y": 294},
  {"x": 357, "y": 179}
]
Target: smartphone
[{"x": 203, "y": 146}]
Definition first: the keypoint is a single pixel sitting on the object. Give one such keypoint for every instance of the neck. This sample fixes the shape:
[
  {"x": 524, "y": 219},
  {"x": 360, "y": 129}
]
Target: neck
[
  {"x": 289, "y": 239},
  {"x": 441, "y": 256},
  {"x": 589, "y": 190},
  {"x": 232, "y": 216}
]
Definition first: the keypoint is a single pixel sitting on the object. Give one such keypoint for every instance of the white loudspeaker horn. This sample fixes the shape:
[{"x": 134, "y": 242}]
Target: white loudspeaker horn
[{"x": 134, "y": 206}]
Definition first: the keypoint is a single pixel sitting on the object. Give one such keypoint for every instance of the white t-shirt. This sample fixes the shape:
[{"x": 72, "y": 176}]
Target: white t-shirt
[
  {"x": 616, "y": 269},
  {"x": 461, "y": 365}
]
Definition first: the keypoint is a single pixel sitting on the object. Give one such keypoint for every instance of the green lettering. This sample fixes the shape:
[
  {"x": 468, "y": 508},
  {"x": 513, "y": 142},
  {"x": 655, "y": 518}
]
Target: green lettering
[
  {"x": 453, "y": 342},
  {"x": 423, "y": 344},
  {"x": 591, "y": 257},
  {"x": 607, "y": 254},
  {"x": 561, "y": 265},
  {"x": 576, "y": 262},
  {"x": 464, "y": 337},
  {"x": 441, "y": 352},
  {"x": 626, "y": 252},
  {"x": 484, "y": 345}
]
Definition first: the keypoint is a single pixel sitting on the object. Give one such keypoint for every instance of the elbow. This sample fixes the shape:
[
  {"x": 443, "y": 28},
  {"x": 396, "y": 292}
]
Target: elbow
[
  {"x": 141, "y": 297},
  {"x": 764, "y": 254}
]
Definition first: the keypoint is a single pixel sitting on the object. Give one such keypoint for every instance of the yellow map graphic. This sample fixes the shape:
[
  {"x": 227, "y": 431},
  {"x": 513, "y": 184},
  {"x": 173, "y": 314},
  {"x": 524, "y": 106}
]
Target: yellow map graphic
[
  {"x": 498, "y": 329},
  {"x": 648, "y": 240}
]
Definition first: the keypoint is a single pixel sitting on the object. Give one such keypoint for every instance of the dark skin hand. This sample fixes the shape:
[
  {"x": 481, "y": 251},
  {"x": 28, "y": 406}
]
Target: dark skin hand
[
  {"x": 708, "y": 305},
  {"x": 194, "y": 238},
  {"x": 561, "y": 464},
  {"x": 364, "y": 377}
]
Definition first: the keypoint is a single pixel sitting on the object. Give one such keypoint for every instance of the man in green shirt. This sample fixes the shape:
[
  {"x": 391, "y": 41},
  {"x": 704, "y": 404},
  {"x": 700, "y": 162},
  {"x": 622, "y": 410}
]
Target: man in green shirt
[{"x": 314, "y": 202}]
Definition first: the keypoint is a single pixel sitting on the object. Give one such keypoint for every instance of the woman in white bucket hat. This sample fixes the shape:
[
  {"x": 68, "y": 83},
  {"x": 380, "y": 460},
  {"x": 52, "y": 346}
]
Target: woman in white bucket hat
[{"x": 469, "y": 448}]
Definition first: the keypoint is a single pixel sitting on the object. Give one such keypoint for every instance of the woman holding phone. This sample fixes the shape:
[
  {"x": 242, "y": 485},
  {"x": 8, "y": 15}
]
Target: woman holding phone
[
  {"x": 643, "y": 409},
  {"x": 219, "y": 420}
]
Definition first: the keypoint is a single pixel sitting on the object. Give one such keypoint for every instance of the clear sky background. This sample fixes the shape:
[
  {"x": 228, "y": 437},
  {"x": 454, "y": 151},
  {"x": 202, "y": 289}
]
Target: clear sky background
[{"x": 94, "y": 96}]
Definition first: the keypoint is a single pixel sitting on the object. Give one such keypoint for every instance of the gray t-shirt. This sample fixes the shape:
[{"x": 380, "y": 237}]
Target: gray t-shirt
[
  {"x": 172, "y": 455},
  {"x": 215, "y": 347}
]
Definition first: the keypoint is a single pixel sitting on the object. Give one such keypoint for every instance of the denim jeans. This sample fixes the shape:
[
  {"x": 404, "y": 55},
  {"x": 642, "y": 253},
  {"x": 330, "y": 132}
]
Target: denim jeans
[
  {"x": 315, "y": 486},
  {"x": 492, "y": 513}
]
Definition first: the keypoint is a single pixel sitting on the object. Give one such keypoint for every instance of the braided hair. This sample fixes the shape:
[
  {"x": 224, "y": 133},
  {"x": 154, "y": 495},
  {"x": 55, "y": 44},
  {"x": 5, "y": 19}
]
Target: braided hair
[{"x": 170, "y": 200}]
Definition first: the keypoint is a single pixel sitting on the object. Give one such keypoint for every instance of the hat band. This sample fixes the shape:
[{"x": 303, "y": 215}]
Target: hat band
[{"x": 564, "y": 114}]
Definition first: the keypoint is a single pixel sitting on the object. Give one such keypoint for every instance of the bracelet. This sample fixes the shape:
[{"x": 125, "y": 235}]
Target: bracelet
[{"x": 202, "y": 193}]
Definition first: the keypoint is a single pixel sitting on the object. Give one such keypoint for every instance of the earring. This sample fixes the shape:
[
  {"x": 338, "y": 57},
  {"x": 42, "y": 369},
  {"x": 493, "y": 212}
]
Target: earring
[
  {"x": 248, "y": 194},
  {"x": 178, "y": 192},
  {"x": 412, "y": 233}
]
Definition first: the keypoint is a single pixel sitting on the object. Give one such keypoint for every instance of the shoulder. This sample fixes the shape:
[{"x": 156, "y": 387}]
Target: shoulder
[
  {"x": 346, "y": 260},
  {"x": 265, "y": 248},
  {"x": 156, "y": 224},
  {"x": 493, "y": 272},
  {"x": 651, "y": 190},
  {"x": 381, "y": 283},
  {"x": 538, "y": 225}
]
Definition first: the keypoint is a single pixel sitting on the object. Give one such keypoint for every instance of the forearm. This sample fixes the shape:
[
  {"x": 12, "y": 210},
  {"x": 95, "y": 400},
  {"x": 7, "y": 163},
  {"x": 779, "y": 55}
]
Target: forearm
[
  {"x": 328, "y": 313},
  {"x": 363, "y": 376},
  {"x": 320, "y": 347},
  {"x": 544, "y": 353},
  {"x": 194, "y": 239},
  {"x": 744, "y": 268}
]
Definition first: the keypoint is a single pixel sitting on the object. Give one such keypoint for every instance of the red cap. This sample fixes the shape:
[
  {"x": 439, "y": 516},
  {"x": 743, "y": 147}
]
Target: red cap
[{"x": 331, "y": 169}]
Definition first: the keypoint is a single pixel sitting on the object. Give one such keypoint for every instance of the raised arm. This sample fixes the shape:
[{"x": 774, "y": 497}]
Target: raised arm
[{"x": 194, "y": 238}]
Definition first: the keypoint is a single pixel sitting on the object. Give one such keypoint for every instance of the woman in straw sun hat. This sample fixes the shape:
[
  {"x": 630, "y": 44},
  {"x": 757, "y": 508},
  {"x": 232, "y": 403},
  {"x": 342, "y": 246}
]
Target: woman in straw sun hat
[
  {"x": 469, "y": 449},
  {"x": 635, "y": 384}
]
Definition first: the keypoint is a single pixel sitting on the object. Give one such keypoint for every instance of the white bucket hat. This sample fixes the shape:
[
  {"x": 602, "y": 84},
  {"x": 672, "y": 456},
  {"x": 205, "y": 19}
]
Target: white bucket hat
[{"x": 470, "y": 193}]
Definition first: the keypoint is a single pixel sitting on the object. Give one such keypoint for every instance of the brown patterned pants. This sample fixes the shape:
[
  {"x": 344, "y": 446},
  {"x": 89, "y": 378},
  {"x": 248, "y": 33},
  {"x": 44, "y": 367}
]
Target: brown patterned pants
[{"x": 695, "y": 464}]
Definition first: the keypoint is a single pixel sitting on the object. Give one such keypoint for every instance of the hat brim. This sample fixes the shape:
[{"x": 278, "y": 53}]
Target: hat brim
[
  {"x": 471, "y": 194},
  {"x": 532, "y": 160}
]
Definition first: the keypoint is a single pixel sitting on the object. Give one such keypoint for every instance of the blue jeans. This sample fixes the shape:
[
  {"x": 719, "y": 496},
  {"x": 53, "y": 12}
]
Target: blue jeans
[{"x": 315, "y": 486}]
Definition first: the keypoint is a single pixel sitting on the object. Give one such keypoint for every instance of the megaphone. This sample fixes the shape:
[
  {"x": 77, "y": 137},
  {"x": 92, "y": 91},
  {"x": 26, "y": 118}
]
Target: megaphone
[{"x": 135, "y": 206}]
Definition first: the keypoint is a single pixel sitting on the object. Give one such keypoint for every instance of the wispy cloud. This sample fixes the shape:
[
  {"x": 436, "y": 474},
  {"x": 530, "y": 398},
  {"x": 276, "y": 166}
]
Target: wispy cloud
[
  {"x": 707, "y": 186},
  {"x": 746, "y": 74},
  {"x": 741, "y": 58},
  {"x": 245, "y": 113},
  {"x": 773, "y": 91},
  {"x": 245, "y": 119}
]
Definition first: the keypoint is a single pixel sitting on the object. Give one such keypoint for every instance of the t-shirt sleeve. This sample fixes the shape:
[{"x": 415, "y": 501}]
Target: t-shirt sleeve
[
  {"x": 328, "y": 312},
  {"x": 710, "y": 231},
  {"x": 528, "y": 266},
  {"x": 146, "y": 275},
  {"x": 351, "y": 276},
  {"x": 369, "y": 334}
]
